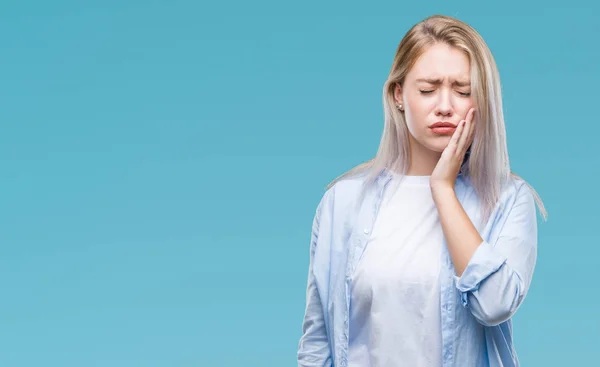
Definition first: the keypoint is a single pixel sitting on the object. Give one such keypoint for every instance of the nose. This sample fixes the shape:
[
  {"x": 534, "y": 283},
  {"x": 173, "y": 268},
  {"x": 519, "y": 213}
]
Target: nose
[{"x": 444, "y": 105}]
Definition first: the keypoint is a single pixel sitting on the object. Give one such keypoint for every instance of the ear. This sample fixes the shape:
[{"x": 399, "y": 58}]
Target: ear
[{"x": 398, "y": 94}]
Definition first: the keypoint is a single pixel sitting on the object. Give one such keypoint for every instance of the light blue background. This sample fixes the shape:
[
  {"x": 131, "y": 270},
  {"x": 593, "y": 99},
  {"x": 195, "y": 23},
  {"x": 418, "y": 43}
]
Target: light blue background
[{"x": 161, "y": 161}]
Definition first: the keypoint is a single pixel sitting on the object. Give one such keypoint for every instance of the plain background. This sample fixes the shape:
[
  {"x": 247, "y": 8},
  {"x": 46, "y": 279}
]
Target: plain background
[{"x": 161, "y": 162}]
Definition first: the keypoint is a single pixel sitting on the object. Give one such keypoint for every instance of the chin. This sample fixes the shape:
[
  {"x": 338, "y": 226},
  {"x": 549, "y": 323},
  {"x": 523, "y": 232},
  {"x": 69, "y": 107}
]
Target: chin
[{"x": 438, "y": 145}]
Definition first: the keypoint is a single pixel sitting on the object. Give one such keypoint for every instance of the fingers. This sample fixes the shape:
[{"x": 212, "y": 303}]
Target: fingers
[
  {"x": 454, "y": 140},
  {"x": 462, "y": 140},
  {"x": 467, "y": 133},
  {"x": 473, "y": 124},
  {"x": 473, "y": 129}
]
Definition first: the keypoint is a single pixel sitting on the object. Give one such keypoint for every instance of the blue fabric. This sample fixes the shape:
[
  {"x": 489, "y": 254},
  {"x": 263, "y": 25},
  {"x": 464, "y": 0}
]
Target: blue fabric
[{"x": 476, "y": 307}]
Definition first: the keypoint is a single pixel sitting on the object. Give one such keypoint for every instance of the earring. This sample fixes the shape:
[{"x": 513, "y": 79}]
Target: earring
[{"x": 400, "y": 107}]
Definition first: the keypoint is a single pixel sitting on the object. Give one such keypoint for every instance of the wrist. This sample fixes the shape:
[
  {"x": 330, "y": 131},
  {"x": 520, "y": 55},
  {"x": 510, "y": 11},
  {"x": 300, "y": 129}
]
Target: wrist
[{"x": 441, "y": 190}]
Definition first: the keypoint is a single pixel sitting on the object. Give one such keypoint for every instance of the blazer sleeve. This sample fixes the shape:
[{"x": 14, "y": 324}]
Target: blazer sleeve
[
  {"x": 497, "y": 277},
  {"x": 314, "y": 348}
]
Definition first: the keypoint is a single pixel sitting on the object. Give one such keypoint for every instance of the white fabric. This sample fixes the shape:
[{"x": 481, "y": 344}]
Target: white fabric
[{"x": 395, "y": 315}]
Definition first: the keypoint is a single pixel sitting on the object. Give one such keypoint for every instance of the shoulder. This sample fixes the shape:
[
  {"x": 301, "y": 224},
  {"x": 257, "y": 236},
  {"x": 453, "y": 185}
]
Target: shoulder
[
  {"x": 343, "y": 193},
  {"x": 511, "y": 189},
  {"x": 516, "y": 190},
  {"x": 514, "y": 197}
]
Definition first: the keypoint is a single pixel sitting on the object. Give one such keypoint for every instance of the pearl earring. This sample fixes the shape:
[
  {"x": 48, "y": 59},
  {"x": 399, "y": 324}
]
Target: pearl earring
[{"x": 400, "y": 107}]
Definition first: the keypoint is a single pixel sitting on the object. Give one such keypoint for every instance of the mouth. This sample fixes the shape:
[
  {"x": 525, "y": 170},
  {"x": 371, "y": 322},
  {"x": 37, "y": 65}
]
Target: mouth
[
  {"x": 443, "y": 124},
  {"x": 443, "y": 128}
]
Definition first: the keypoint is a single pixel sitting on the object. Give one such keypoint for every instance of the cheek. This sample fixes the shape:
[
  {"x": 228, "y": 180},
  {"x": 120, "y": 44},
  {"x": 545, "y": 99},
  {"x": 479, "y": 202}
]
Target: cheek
[
  {"x": 416, "y": 113},
  {"x": 463, "y": 106}
]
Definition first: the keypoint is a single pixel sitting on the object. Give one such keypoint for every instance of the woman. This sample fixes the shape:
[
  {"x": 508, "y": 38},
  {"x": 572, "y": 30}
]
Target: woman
[{"x": 421, "y": 256}]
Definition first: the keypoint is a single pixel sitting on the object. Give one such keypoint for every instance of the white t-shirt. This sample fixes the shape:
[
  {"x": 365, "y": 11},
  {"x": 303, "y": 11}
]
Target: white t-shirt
[{"x": 395, "y": 317}]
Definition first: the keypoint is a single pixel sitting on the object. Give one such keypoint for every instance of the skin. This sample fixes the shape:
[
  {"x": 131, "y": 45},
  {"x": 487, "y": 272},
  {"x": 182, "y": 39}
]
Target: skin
[{"x": 440, "y": 155}]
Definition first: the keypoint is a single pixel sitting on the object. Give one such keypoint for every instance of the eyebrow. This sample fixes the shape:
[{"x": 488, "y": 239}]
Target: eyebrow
[{"x": 457, "y": 83}]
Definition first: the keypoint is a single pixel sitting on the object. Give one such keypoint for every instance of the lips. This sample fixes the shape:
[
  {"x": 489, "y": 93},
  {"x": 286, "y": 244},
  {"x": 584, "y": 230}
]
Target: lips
[
  {"x": 442, "y": 124},
  {"x": 443, "y": 128}
]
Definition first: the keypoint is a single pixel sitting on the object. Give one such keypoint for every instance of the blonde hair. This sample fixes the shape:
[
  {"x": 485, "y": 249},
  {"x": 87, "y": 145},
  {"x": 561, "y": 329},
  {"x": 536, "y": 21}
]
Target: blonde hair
[{"x": 488, "y": 164}]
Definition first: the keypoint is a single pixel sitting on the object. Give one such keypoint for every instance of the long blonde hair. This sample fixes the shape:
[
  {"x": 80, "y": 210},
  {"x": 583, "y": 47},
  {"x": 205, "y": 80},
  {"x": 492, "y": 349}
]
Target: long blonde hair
[{"x": 488, "y": 165}]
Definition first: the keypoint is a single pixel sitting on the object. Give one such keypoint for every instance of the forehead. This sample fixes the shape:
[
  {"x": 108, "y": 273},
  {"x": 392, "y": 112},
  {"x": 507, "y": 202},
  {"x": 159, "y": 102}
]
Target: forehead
[{"x": 441, "y": 61}]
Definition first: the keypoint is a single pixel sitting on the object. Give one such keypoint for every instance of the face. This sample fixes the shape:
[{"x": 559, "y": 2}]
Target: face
[{"x": 436, "y": 90}]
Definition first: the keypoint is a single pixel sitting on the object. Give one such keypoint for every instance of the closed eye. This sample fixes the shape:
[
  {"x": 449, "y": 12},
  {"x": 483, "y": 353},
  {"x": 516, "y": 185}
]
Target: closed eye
[{"x": 464, "y": 94}]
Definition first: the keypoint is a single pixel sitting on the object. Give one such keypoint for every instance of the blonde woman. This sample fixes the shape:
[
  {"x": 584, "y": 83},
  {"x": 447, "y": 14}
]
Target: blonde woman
[{"x": 421, "y": 256}]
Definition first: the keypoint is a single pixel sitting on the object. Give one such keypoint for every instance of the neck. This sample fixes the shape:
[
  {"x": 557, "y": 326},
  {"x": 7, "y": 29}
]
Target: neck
[{"x": 422, "y": 160}]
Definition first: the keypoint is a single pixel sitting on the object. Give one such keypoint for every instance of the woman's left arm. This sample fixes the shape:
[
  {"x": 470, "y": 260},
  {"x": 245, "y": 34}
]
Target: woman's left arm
[{"x": 493, "y": 278}]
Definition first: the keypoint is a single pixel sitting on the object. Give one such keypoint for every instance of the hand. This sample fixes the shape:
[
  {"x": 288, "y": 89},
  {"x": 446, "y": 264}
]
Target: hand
[{"x": 445, "y": 172}]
